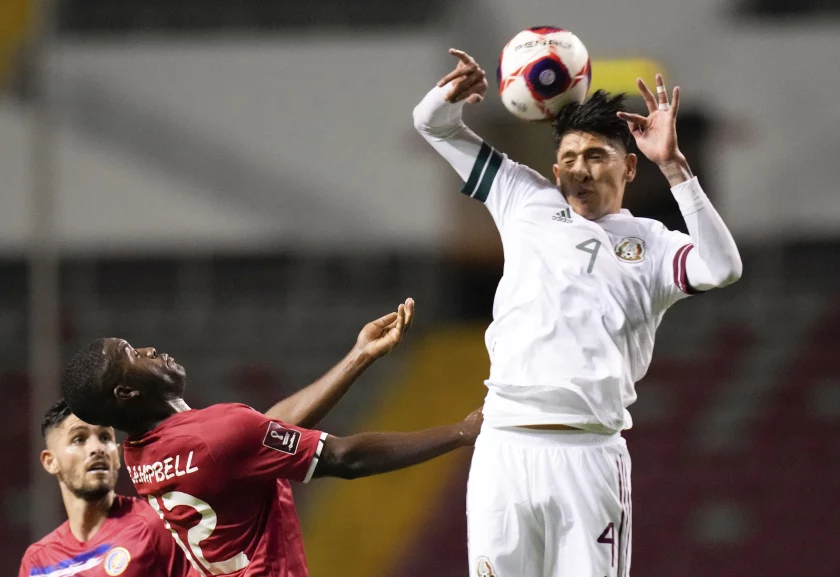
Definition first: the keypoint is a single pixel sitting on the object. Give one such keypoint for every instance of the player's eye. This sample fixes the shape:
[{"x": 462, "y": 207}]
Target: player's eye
[
  {"x": 78, "y": 439},
  {"x": 105, "y": 438}
]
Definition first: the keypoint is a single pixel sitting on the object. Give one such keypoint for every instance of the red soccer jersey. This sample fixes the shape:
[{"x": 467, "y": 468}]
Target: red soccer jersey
[
  {"x": 132, "y": 542},
  {"x": 219, "y": 477}
]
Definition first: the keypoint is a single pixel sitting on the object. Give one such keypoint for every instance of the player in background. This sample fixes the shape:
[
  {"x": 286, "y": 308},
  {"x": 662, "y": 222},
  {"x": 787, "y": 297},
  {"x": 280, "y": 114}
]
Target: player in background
[
  {"x": 105, "y": 533},
  {"x": 219, "y": 477},
  {"x": 114, "y": 534},
  {"x": 584, "y": 287}
]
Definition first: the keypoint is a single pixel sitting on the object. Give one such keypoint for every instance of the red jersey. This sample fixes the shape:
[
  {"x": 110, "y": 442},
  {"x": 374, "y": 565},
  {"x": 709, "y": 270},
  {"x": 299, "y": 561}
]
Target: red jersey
[
  {"x": 131, "y": 542},
  {"x": 219, "y": 478}
]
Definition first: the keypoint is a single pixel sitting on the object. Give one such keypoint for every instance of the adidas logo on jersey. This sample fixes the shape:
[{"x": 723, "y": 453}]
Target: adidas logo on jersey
[{"x": 564, "y": 215}]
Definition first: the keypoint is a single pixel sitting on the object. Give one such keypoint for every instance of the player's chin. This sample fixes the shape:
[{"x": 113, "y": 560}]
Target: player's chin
[
  {"x": 588, "y": 210},
  {"x": 93, "y": 490},
  {"x": 176, "y": 376}
]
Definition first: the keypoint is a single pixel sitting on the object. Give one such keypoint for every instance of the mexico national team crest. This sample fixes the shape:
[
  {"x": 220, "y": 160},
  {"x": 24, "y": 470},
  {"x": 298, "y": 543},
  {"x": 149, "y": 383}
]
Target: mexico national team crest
[
  {"x": 116, "y": 561},
  {"x": 631, "y": 249},
  {"x": 484, "y": 569}
]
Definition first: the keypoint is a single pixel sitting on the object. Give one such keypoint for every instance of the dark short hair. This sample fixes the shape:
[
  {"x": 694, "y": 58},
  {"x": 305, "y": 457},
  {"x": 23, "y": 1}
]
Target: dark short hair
[
  {"x": 595, "y": 116},
  {"x": 85, "y": 385},
  {"x": 54, "y": 416}
]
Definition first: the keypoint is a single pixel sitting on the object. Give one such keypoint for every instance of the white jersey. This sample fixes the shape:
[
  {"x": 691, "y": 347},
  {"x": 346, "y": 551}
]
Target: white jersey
[{"x": 578, "y": 305}]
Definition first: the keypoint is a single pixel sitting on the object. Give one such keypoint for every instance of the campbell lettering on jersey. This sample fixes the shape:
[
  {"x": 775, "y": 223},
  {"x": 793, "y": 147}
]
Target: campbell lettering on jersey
[{"x": 160, "y": 471}]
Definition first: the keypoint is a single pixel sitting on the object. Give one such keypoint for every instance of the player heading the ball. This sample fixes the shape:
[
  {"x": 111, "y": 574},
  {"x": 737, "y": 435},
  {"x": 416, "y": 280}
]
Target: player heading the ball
[{"x": 585, "y": 286}]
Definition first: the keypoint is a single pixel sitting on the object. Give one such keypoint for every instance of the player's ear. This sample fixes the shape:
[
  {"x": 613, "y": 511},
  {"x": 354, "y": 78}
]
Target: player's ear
[
  {"x": 49, "y": 462},
  {"x": 556, "y": 169},
  {"x": 631, "y": 161},
  {"x": 124, "y": 392}
]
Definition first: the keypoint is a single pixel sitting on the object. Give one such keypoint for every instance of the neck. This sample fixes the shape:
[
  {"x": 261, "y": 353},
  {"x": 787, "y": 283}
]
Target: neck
[
  {"x": 85, "y": 517},
  {"x": 178, "y": 405},
  {"x": 171, "y": 406}
]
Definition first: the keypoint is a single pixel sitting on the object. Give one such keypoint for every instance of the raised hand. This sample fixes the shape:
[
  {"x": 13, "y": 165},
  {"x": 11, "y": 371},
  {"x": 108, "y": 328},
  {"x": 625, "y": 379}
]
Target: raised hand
[
  {"x": 380, "y": 337},
  {"x": 656, "y": 133},
  {"x": 468, "y": 81}
]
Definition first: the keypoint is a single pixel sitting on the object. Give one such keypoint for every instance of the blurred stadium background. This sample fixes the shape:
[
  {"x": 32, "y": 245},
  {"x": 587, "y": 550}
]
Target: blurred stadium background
[{"x": 239, "y": 183}]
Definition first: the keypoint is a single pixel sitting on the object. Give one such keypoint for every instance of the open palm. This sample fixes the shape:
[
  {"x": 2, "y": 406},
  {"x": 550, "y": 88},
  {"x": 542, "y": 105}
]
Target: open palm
[
  {"x": 380, "y": 337},
  {"x": 656, "y": 133}
]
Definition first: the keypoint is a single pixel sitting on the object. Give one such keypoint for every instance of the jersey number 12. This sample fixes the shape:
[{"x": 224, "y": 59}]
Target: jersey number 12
[{"x": 203, "y": 530}]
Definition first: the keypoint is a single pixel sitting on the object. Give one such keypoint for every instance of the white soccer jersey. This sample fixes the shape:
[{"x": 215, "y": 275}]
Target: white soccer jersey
[{"x": 578, "y": 305}]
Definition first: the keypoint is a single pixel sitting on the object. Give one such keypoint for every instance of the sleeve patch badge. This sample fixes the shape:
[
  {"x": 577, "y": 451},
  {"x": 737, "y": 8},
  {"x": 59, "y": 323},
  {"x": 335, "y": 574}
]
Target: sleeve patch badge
[{"x": 280, "y": 439}]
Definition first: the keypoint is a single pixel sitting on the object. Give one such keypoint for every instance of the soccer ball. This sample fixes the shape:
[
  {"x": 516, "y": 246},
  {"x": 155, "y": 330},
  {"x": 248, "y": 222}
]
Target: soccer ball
[{"x": 541, "y": 70}]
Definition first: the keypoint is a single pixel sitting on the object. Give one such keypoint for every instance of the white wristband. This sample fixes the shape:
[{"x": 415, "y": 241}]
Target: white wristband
[{"x": 689, "y": 196}]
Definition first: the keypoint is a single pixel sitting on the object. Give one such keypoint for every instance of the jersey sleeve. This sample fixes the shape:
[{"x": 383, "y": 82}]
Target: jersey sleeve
[
  {"x": 249, "y": 445},
  {"x": 29, "y": 561},
  {"x": 670, "y": 283},
  {"x": 500, "y": 183},
  {"x": 25, "y": 565},
  {"x": 489, "y": 176}
]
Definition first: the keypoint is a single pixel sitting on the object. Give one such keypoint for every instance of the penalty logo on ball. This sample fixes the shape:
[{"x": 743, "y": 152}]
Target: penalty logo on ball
[{"x": 547, "y": 77}]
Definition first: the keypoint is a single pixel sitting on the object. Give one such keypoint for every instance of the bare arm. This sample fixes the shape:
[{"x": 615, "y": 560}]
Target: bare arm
[
  {"x": 308, "y": 406},
  {"x": 369, "y": 454}
]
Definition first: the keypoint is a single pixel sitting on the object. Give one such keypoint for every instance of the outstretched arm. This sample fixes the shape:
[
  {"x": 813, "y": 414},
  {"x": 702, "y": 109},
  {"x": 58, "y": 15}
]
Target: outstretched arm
[
  {"x": 438, "y": 116},
  {"x": 308, "y": 406},
  {"x": 369, "y": 454},
  {"x": 488, "y": 175},
  {"x": 716, "y": 261}
]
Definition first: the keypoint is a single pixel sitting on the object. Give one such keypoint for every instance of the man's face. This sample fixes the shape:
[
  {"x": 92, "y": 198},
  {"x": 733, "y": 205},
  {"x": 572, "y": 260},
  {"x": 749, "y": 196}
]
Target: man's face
[
  {"x": 152, "y": 372},
  {"x": 84, "y": 457},
  {"x": 592, "y": 172}
]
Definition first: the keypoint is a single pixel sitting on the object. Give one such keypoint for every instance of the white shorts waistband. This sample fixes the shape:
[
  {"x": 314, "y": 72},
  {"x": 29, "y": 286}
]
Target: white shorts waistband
[{"x": 534, "y": 437}]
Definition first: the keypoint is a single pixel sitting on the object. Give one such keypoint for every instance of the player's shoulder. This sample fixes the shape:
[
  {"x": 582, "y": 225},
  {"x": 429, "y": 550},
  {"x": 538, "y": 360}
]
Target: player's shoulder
[
  {"x": 525, "y": 175},
  {"x": 228, "y": 408},
  {"x": 130, "y": 506},
  {"x": 213, "y": 413},
  {"x": 43, "y": 550},
  {"x": 227, "y": 411},
  {"x": 650, "y": 230},
  {"x": 136, "y": 517},
  {"x": 57, "y": 535},
  {"x": 648, "y": 224},
  {"x": 493, "y": 167}
]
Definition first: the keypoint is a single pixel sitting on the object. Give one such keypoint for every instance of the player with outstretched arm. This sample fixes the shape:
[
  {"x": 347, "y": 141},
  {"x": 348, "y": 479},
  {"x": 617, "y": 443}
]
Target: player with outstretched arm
[
  {"x": 219, "y": 477},
  {"x": 109, "y": 534},
  {"x": 584, "y": 288}
]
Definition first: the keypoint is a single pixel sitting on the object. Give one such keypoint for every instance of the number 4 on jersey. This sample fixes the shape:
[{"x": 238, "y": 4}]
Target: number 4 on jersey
[
  {"x": 608, "y": 538},
  {"x": 591, "y": 246}
]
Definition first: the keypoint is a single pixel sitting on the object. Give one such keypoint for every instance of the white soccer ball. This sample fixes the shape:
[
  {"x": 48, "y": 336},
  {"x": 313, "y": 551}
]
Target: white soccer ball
[{"x": 541, "y": 70}]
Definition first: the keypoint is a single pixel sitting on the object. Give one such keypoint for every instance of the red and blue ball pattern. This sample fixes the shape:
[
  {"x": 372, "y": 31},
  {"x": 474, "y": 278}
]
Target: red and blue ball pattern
[{"x": 541, "y": 70}]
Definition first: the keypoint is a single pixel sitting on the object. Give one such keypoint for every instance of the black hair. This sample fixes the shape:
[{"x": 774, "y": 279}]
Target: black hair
[
  {"x": 54, "y": 416},
  {"x": 87, "y": 384},
  {"x": 595, "y": 116}
]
